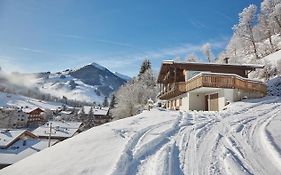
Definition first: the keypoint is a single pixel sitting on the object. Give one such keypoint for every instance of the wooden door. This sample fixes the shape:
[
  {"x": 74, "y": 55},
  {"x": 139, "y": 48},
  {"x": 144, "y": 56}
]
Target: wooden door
[
  {"x": 214, "y": 102},
  {"x": 206, "y": 102}
]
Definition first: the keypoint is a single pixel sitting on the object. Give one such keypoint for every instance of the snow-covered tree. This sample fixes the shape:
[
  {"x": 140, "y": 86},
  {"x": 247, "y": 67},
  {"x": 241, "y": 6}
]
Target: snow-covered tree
[
  {"x": 266, "y": 22},
  {"x": 145, "y": 66},
  {"x": 276, "y": 14},
  {"x": 244, "y": 29},
  {"x": 132, "y": 97},
  {"x": 206, "y": 50},
  {"x": 191, "y": 58}
]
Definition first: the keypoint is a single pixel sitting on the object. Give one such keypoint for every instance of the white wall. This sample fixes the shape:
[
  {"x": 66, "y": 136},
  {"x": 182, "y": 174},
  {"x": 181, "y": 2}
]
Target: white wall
[
  {"x": 185, "y": 102},
  {"x": 196, "y": 101},
  {"x": 240, "y": 94}
]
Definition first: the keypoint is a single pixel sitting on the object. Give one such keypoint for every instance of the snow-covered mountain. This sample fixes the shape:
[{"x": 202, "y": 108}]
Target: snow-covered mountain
[
  {"x": 124, "y": 77},
  {"x": 12, "y": 100},
  {"x": 243, "y": 139},
  {"x": 89, "y": 83}
]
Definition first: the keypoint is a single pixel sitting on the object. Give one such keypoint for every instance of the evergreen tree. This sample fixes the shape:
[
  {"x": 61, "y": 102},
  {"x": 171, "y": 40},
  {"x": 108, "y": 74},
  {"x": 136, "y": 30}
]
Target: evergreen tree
[
  {"x": 145, "y": 66},
  {"x": 112, "y": 101},
  {"x": 105, "y": 102},
  {"x": 91, "y": 119}
]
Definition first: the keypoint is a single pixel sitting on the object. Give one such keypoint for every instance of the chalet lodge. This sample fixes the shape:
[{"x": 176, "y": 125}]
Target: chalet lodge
[{"x": 206, "y": 86}]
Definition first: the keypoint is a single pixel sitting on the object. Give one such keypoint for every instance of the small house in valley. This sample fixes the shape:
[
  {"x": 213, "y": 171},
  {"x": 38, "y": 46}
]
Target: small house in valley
[
  {"x": 35, "y": 116},
  {"x": 206, "y": 86},
  {"x": 59, "y": 130},
  {"x": 101, "y": 114},
  {"x": 12, "y": 117},
  {"x": 16, "y": 144}
]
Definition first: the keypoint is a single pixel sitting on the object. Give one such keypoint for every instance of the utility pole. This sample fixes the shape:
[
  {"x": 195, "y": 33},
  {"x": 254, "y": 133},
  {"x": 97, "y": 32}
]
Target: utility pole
[{"x": 50, "y": 134}]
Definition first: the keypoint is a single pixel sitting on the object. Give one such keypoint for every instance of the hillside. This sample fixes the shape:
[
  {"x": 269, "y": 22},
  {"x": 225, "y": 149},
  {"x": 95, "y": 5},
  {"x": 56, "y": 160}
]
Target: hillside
[
  {"x": 244, "y": 139},
  {"x": 7, "y": 100},
  {"x": 90, "y": 83}
]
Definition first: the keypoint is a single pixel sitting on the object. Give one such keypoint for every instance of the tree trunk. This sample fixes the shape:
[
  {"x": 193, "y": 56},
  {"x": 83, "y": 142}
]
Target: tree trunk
[
  {"x": 271, "y": 44},
  {"x": 255, "y": 49},
  {"x": 278, "y": 22}
]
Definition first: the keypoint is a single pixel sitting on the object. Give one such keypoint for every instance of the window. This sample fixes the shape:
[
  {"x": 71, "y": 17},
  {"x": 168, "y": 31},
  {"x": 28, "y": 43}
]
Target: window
[{"x": 191, "y": 74}]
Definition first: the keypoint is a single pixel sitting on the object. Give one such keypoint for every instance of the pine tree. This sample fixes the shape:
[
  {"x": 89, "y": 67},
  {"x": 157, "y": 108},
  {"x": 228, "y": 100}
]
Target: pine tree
[
  {"x": 91, "y": 119},
  {"x": 112, "y": 101},
  {"x": 145, "y": 66},
  {"x": 105, "y": 102}
]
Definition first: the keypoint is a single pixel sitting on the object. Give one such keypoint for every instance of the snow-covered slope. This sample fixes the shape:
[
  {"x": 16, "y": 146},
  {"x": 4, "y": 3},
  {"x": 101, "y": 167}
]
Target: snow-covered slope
[
  {"x": 90, "y": 83},
  {"x": 12, "y": 100},
  {"x": 244, "y": 139},
  {"x": 124, "y": 77}
]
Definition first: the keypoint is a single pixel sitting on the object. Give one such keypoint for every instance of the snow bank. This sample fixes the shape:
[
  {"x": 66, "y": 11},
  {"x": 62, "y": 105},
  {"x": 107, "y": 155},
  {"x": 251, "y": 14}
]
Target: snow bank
[{"x": 244, "y": 139}]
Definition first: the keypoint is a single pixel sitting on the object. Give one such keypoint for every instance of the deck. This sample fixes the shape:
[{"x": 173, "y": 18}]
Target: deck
[{"x": 213, "y": 80}]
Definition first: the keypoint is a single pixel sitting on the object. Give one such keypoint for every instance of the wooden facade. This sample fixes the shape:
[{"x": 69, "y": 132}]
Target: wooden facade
[
  {"x": 173, "y": 78},
  {"x": 35, "y": 116}
]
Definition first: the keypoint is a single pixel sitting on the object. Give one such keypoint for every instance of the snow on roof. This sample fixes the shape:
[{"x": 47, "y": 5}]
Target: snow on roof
[
  {"x": 214, "y": 64},
  {"x": 22, "y": 149},
  {"x": 66, "y": 112},
  {"x": 96, "y": 110},
  {"x": 8, "y": 136},
  {"x": 30, "y": 109},
  {"x": 60, "y": 129}
]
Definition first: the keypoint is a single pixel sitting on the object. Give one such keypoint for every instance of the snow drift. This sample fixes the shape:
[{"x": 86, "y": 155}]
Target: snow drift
[{"x": 243, "y": 139}]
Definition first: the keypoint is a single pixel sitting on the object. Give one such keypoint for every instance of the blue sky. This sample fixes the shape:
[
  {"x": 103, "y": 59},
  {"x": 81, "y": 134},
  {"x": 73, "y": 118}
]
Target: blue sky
[{"x": 43, "y": 35}]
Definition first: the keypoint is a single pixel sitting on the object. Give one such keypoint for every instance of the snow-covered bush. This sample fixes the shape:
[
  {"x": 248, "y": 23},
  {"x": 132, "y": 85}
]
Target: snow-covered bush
[{"x": 132, "y": 97}]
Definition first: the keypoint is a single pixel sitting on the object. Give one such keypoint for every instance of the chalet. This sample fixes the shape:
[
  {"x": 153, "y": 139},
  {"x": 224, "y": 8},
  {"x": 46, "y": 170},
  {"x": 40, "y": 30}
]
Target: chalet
[
  {"x": 34, "y": 115},
  {"x": 17, "y": 144},
  {"x": 101, "y": 114},
  {"x": 59, "y": 130},
  {"x": 206, "y": 86}
]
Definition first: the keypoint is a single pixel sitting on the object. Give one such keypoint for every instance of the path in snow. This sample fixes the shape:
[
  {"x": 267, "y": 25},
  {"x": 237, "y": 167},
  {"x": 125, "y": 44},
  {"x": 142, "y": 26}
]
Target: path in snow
[{"x": 231, "y": 142}]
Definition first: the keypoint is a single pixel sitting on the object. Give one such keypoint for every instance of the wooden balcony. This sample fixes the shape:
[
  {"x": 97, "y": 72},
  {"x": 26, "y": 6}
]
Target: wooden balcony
[{"x": 213, "y": 80}]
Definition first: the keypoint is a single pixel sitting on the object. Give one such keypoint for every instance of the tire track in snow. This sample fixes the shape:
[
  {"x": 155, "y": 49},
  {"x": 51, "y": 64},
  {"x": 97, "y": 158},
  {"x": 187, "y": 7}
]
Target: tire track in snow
[{"x": 129, "y": 161}]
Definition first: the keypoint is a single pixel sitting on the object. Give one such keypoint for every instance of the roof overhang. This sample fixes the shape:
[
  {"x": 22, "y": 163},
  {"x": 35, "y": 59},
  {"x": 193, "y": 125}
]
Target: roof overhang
[{"x": 168, "y": 64}]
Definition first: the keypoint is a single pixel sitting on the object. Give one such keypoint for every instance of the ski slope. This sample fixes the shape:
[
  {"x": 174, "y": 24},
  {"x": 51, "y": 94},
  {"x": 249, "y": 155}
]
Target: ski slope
[{"x": 243, "y": 139}]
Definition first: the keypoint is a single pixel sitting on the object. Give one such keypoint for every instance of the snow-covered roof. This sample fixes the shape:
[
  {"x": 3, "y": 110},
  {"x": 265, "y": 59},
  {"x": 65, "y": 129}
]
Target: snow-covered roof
[
  {"x": 22, "y": 149},
  {"x": 213, "y": 64},
  {"x": 60, "y": 129},
  {"x": 96, "y": 110},
  {"x": 66, "y": 112},
  {"x": 9, "y": 136},
  {"x": 29, "y": 109}
]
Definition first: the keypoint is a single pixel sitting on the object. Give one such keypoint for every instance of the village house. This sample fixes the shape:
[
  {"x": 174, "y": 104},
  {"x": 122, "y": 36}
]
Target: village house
[
  {"x": 59, "y": 130},
  {"x": 206, "y": 86},
  {"x": 35, "y": 116},
  {"x": 17, "y": 144},
  {"x": 101, "y": 114},
  {"x": 13, "y": 117}
]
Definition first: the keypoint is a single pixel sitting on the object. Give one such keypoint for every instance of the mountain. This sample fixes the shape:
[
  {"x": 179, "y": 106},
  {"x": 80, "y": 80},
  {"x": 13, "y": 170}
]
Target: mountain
[
  {"x": 124, "y": 77},
  {"x": 89, "y": 83}
]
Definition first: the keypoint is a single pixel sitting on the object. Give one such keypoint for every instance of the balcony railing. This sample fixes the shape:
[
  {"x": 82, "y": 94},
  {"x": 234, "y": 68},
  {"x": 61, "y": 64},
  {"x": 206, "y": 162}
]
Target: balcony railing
[{"x": 213, "y": 80}]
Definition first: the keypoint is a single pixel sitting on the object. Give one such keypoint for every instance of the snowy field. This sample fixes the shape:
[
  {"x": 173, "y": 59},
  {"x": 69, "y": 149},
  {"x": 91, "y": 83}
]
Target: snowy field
[
  {"x": 244, "y": 139},
  {"x": 10, "y": 100}
]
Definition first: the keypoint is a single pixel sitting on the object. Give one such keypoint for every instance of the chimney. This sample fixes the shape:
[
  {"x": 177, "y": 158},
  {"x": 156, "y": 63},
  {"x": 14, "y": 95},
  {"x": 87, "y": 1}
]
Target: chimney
[{"x": 226, "y": 60}]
